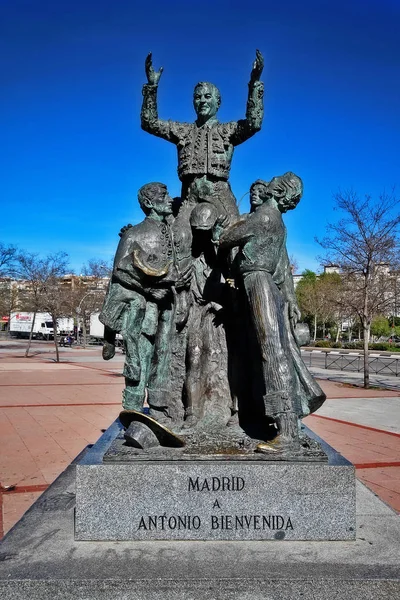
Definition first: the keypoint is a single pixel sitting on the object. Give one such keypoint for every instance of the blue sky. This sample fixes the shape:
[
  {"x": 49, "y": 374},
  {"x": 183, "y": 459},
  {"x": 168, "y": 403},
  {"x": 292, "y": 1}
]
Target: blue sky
[{"x": 73, "y": 153}]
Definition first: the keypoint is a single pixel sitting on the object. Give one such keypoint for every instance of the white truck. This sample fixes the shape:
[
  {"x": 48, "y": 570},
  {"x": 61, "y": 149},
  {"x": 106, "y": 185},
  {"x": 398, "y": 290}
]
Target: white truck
[
  {"x": 96, "y": 330},
  {"x": 65, "y": 326},
  {"x": 21, "y": 325}
]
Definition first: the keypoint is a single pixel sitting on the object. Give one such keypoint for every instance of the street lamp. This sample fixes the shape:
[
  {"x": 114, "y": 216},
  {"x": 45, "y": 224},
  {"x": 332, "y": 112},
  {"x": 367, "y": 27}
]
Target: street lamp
[{"x": 78, "y": 312}]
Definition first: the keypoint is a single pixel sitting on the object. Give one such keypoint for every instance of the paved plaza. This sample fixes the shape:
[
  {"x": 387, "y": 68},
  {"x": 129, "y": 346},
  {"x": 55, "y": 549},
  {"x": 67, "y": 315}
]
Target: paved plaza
[{"x": 49, "y": 412}]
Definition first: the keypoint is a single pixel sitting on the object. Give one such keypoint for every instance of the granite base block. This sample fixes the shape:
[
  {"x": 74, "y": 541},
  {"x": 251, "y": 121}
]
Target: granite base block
[
  {"x": 218, "y": 500},
  {"x": 41, "y": 560}
]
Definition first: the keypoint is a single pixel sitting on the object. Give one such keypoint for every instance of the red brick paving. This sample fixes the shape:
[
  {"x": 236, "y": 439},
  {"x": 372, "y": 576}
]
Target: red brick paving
[
  {"x": 385, "y": 482},
  {"x": 339, "y": 390},
  {"x": 375, "y": 454},
  {"x": 49, "y": 413},
  {"x": 360, "y": 426}
]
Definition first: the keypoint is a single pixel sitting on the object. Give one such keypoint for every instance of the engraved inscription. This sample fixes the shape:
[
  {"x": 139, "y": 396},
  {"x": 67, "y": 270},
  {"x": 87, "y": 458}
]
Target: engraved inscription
[
  {"x": 222, "y": 522},
  {"x": 212, "y": 522},
  {"x": 216, "y": 484},
  {"x": 164, "y": 522},
  {"x": 251, "y": 522}
]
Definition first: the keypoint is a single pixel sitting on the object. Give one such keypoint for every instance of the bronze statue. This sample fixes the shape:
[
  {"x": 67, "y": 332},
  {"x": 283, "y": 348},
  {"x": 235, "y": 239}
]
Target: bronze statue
[
  {"x": 205, "y": 147},
  {"x": 288, "y": 390},
  {"x": 205, "y": 299},
  {"x": 140, "y": 303},
  {"x": 207, "y": 386}
]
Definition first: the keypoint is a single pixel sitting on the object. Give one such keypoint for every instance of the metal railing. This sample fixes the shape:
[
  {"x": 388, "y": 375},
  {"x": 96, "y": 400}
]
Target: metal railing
[{"x": 378, "y": 364}]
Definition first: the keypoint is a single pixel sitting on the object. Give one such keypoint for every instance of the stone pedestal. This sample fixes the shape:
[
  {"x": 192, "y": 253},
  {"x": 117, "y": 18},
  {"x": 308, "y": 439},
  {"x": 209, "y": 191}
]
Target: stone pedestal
[
  {"x": 172, "y": 495},
  {"x": 41, "y": 560},
  {"x": 215, "y": 500}
]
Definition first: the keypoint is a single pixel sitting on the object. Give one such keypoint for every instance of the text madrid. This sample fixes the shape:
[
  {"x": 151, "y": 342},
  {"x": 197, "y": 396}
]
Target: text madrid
[
  {"x": 216, "y": 484},
  {"x": 181, "y": 522}
]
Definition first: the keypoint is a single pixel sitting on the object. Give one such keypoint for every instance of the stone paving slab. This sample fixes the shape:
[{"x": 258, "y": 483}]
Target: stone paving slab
[{"x": 379, "y": 412}]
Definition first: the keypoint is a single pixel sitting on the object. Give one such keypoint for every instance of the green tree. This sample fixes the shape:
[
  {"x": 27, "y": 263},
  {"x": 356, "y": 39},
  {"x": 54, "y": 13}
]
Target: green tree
[
  {"x": 308, "y": 298},
  {"x": 328, "y": 288},
  {"x": 380, "y": 326},
  {"x": 315, "y": 297}
]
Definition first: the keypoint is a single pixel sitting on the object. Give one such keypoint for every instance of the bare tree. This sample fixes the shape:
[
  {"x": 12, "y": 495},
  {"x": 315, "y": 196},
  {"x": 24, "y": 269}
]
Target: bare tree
[
  {"x": 294, "y": 265},
  {"x": 365, "y": 244},
  {"x": 100, "y": 269},
  {"x": 8, "y": 296},
  {"x": 88, "y": 292},
  {"x": 8, "y": 255},
  {"x": 30, "y": 269},
  {"x": 42, "y": 276},
  {"x": 53, "y": 291},
  {"x": 341, "y": 299}
]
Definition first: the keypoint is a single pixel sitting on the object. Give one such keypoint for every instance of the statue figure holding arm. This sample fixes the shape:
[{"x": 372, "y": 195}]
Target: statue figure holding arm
[{"x": 288, "y": 390}]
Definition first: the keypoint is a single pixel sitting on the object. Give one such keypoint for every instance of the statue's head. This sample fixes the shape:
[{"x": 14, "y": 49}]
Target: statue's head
[
  {"x": 154, "y": 196},
  {"x": 285, "y": 189},
  {"x": 206, "y": 100},
  {"x": 258, "y": 193}
]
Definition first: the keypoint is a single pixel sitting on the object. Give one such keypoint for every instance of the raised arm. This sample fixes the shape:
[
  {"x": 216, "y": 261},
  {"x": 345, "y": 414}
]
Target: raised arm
[
  {"x": 255, "y": 107},
  {"x": 149, "y": 113}
]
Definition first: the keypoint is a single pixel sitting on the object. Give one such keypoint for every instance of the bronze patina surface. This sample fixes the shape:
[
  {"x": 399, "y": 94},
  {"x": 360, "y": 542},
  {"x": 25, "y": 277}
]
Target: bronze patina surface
[{"x": 204, "y": 299}]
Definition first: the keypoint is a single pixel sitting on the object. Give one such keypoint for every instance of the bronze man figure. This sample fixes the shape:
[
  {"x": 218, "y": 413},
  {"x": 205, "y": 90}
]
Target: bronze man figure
[
  {"x": 140, "y": 303},
  {"x": 205, "y": 147}
]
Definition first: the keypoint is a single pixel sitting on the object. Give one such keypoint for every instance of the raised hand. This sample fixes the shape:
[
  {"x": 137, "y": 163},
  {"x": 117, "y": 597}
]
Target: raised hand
[
  {"x": 221, "y": 223},
  {"x": 153, "y": 77},
  {"x": 124, "y": 228},
  {"x": 185, "y": 277},
  {"x": 257, "y": 69},
  {"x": 108, "y": 350},
  {"x": 159, "y": 293}
]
